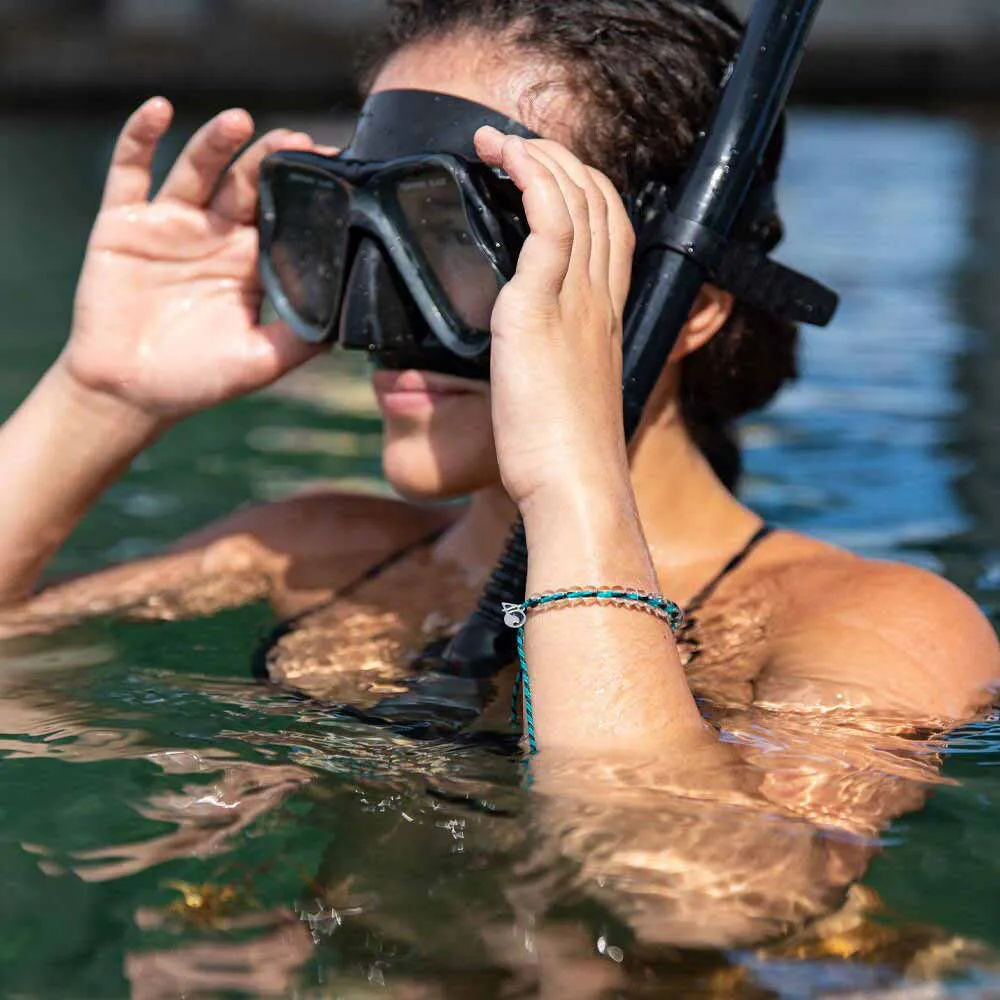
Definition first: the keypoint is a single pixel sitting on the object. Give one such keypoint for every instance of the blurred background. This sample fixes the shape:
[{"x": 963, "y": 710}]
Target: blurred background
[
  {"x": 304, "y": 50},
  {"x": 890, "y": 194},
  {"x": 890, "y": 191}
]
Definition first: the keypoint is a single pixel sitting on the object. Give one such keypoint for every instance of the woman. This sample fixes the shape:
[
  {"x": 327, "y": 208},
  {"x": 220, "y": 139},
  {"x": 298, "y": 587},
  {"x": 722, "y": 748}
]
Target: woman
[{"x": 165, "y": 325}]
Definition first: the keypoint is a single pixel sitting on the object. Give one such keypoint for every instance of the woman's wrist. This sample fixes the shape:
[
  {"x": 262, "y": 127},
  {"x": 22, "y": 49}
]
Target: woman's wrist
[
  {"x": 577, "y": 490},
  {"x": 59, "y": 451},
  {"x": 125, "y": 427},
  {"x": 586, "y": 533}
]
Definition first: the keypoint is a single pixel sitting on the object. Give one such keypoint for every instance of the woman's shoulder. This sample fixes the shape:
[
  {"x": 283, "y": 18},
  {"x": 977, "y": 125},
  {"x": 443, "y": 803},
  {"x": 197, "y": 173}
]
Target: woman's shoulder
[
  {"x": 848, "y": 631},
  {"x": 315, "y": 541},
  {"x": 323, "y": 519}
]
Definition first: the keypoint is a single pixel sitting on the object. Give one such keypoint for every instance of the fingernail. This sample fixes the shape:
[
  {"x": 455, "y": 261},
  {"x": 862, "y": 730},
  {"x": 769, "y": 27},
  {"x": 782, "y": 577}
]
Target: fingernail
[
  {"x": 237, "y": 117},
  {"x": 487, "y": 128}
]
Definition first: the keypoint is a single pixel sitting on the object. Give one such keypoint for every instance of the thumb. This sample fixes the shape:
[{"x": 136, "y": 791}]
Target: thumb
[{"x": 273, "y": 350}]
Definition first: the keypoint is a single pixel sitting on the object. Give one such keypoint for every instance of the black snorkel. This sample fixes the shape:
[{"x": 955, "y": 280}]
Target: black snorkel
[{"x": 691, "y": 244}]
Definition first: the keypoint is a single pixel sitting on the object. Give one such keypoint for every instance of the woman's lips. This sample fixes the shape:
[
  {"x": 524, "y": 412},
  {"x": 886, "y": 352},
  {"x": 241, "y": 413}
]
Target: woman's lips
[{"x": 414, "y": 391}]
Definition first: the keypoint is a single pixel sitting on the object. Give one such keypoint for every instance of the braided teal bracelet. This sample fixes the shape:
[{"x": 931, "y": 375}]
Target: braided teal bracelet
[{"x": 515, "y": 616}]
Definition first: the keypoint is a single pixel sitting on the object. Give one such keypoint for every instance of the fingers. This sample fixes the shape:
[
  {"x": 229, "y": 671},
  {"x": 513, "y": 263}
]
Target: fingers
[
  {"x": 236, "y": 197},
  {"x": 582, "y": 177},
  {"x": 621, "y": 242},
  {"x": 129, "y": 177},
  {"x": 578, "y": 201},
  {"x": 198, "y": 170},
  {"x": 546, "y": 254},
  {"x": 602, "y": 236}
]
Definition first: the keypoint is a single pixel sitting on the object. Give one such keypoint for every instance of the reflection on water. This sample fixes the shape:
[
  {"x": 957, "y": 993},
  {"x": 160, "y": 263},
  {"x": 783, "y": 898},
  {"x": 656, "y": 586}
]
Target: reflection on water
[{"x": 169, "y": 827}]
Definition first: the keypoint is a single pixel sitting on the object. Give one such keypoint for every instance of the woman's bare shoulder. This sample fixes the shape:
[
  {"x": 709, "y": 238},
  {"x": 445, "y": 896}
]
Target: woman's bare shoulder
[
  {"x": 847, "y": 631},
  {"x": 314, "y": 543},
  {"x": 323, "y": 522},
  {"x": 293, "y": 552}
]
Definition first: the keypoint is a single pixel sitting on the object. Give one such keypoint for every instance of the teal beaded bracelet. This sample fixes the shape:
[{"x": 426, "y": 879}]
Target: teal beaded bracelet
[{"x": 515, "y": 616}]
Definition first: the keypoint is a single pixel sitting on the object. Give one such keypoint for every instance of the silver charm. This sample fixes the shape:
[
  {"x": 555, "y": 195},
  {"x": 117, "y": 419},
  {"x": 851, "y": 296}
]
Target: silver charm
[{"x": 514, "y": 616}]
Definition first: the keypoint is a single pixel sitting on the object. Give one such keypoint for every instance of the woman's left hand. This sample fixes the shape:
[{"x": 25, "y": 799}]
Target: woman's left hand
[{"x": 557, "y": 325}]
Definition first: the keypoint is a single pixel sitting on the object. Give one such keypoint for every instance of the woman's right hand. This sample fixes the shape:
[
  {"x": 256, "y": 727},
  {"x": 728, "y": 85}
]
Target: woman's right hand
[{"x": 166, "y": 309}]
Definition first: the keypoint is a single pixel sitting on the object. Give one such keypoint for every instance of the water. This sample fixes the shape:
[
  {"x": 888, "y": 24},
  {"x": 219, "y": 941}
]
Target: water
[{"x": 143, "y": 772}]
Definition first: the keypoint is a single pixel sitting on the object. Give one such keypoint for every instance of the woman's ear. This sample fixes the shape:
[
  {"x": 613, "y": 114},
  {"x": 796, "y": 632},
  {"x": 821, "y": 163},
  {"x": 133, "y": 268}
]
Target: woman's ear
[{"x": 708, "y": 316}]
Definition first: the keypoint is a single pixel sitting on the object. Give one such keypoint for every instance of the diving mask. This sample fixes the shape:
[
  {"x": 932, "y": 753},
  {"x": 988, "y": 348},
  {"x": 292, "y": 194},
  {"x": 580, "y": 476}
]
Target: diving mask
[{"x": 400, "y": 244}]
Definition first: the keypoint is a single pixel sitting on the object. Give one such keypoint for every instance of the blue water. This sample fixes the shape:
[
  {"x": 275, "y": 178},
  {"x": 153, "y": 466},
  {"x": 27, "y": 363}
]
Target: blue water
[{"x": 141, "y": 763}]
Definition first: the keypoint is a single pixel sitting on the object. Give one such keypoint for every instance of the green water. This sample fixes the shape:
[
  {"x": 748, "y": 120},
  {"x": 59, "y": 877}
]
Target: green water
[{"x": 139, "y": 755}]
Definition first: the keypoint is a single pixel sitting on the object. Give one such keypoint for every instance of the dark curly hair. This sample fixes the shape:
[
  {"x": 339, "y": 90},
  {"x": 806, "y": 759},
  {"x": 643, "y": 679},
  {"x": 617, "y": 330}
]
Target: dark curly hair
[{"x": 646, "y": 74}]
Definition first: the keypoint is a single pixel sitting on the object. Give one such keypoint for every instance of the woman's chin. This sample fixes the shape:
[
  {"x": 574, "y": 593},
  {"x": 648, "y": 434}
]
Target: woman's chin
[{"x": 421, "y": 469}]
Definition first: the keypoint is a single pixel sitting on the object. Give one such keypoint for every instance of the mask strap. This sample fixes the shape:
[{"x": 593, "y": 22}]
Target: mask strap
[
  {"x": 737, "y": 265},
  {"x": 398, "y": 123}
]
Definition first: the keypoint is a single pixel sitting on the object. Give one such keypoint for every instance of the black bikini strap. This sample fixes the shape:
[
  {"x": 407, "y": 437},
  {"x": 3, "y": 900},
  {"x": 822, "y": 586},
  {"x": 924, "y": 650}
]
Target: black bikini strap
[
  {"x": 710, "y": 588},
  {"x": 259, "y": 661},
  {"x": 425, "y": 541}
]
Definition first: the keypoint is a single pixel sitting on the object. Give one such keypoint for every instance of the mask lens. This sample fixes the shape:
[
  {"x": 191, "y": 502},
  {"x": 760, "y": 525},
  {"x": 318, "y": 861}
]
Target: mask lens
[
  {"x": 434, "y": 211},
  {"x": 309, "y": 243}
]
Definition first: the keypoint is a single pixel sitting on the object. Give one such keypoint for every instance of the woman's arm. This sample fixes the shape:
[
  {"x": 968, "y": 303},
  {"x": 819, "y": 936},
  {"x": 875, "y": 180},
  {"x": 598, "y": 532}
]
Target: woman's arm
[
  {"x": 608, "y": 679},
  {"x": 165, "y": 324},
  {"x": 59, "y": 451},
  {"x": 699, "y": 837},
  {"x": 602, "y": 677}
]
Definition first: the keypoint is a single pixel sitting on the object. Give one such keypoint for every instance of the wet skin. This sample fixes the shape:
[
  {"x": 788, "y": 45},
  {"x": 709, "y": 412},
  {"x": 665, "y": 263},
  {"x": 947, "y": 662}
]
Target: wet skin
[{"x": 802, "y": 630}]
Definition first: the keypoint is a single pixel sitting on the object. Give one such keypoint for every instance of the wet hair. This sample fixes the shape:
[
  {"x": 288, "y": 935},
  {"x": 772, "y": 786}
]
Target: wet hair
[{"x": 645, "y": 75}]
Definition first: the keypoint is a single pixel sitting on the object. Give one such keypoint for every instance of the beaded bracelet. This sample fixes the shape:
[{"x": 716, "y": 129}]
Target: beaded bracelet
[{"x": 515, "y": 616}]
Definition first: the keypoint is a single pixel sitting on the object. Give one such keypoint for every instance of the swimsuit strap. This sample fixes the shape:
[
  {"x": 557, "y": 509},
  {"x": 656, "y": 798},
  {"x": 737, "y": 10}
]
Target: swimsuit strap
[
  {"x": 388, "y": 562},
  {"x": 710, "y": 588},
  {"x": 282, "y": 629},
  {"x": 259, "y": 662}
]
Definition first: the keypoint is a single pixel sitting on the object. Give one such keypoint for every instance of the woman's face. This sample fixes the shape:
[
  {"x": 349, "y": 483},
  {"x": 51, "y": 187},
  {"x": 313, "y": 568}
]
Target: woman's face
[{"x": 438, "y": 428}]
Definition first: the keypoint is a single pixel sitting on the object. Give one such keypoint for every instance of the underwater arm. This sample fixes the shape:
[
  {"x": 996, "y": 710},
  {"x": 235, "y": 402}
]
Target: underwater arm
[
  {"x": 760, "y": 825},
  {"x": 701, "y": 850},
  {"x": 762, "y": 829},
  {"x": 165, "y": 325}
]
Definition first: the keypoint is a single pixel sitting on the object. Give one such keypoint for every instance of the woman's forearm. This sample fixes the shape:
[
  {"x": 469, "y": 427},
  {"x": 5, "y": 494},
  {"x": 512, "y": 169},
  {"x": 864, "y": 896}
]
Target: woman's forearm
[
  {"x": 58, "y": 452},
  {"x": 165, "y": 326},
  {"x": 601, "y": 676}
]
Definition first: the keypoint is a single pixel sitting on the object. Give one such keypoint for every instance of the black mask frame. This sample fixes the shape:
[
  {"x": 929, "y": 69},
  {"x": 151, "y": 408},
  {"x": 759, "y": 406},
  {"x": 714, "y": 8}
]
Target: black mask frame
[
  {"x": 383, "y": 294},
  {"x": 364, "y": 198}
]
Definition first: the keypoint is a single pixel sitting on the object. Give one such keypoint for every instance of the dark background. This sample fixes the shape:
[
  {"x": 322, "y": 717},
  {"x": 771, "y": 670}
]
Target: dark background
[{"x": 86, "y": 51}]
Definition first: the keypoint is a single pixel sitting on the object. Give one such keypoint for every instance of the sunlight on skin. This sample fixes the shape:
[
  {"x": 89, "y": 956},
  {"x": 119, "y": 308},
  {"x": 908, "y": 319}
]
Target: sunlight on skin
[{"x": 691, "y": 839}]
